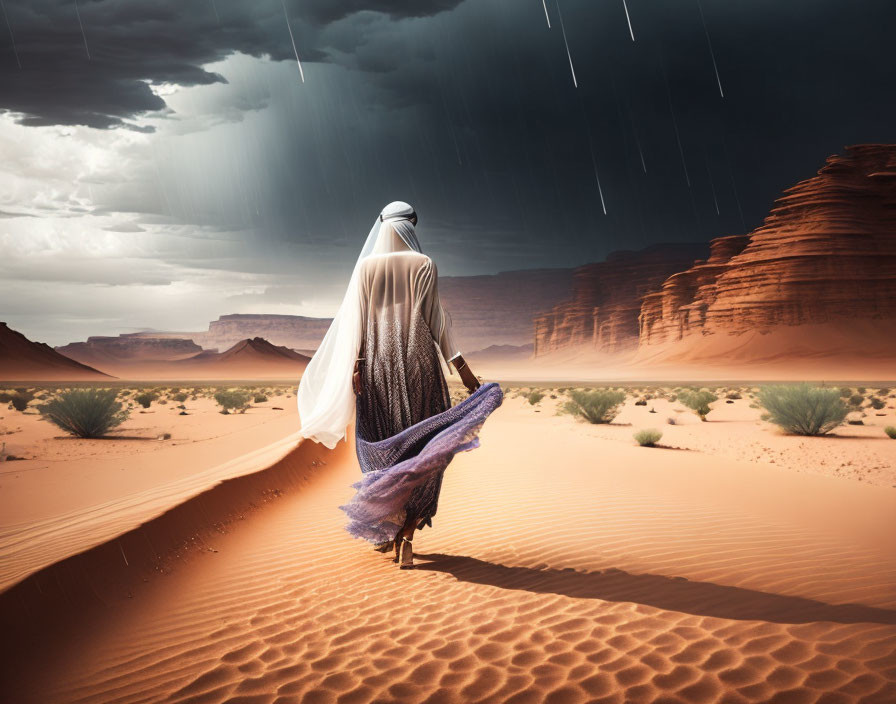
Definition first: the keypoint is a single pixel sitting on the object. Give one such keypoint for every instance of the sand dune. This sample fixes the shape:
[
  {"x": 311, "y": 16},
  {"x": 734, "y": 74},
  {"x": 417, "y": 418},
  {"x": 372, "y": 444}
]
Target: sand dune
[
  {"x": 562, "y": 567},
  {"x": 70, "y": 494}
]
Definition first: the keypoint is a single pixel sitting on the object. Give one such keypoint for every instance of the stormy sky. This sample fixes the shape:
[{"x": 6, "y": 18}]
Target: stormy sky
[{"x": 163, "y": 162}]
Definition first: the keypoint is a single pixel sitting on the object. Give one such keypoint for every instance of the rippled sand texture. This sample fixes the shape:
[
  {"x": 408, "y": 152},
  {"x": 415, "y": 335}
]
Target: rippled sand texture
[{"x": 561, "y": 568}]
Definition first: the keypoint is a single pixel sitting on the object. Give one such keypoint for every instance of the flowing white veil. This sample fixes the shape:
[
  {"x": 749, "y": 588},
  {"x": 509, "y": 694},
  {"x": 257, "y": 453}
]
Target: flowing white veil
[{"x": 325, "y": 397}]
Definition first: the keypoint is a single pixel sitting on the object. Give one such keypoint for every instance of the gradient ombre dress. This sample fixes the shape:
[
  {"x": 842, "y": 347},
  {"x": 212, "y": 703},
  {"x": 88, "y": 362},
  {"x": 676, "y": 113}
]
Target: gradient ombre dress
[{"x": 406, "y": 429}]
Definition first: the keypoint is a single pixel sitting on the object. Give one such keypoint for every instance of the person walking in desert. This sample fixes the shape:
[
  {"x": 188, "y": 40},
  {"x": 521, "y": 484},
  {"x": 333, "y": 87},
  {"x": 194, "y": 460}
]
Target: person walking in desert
[{"x": 380, "y": 362}]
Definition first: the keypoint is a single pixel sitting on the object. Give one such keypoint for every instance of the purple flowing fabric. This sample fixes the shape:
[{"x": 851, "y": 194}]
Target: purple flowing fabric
[{"x": 394, "y": 467}]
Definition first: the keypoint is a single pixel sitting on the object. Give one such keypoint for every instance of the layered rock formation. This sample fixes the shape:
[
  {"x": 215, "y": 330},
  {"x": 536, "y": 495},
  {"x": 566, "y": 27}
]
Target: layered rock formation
[
  {"x": 606, "y": 300},
  {"x": 824, "y": 257},
  {"x": 129, "y": 348},
  {"x": 21, "y": 359},
  {"x": 680, "y": 305}
]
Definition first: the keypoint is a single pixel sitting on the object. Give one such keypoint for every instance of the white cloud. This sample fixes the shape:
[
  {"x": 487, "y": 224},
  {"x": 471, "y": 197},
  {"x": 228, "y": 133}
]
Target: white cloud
[{"x": 107, "y": 231}]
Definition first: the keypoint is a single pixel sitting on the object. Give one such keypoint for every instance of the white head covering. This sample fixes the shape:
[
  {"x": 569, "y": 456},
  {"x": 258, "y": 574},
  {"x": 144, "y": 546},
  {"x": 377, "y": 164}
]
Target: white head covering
[{"x": 325, "y": 397}]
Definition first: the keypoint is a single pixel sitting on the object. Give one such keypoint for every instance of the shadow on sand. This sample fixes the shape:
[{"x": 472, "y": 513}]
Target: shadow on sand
[{"x": 669, "y": 593}]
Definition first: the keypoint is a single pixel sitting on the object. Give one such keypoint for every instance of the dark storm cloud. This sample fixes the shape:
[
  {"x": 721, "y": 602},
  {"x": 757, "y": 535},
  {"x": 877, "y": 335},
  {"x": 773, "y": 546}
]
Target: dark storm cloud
[
  {"x": 476, "y": 121},
  {"x": 48, "y": 76},
  {"x": 468, "y": 110},
  {"x": 325, "y": 11}
]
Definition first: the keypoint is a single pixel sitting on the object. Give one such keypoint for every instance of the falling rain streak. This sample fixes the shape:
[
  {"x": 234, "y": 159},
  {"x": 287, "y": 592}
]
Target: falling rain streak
[
  {"x": 629, "y": 20},
  {"x": 711, "y": 52},
  {"x": 544, "y": 4},
  {"x": 712, "y": 184},
  {"x": 637, "y": 139},
  {"x": 684, "y": 164},
  {"x": 11, "y": 37},
  {"x": 293, "y": 40},
  {"x": 566, "y": 43},
  {"x": 81, "y": 25},
  {"x": 600, "y": 190}
]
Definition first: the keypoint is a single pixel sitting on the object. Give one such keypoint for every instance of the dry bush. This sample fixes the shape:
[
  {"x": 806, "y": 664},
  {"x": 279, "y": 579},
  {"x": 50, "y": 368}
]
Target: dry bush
[
  {"x": 85, "y": 413},
  {"x": 648, "y": 437},
  {"x": 802, "y": 409}
]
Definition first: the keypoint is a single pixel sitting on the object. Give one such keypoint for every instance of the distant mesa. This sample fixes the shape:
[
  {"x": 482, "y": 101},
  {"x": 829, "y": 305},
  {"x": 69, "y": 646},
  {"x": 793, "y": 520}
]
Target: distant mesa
[
  {"x": 129, "y": 348},
  {"x": 24, "y": 360}
]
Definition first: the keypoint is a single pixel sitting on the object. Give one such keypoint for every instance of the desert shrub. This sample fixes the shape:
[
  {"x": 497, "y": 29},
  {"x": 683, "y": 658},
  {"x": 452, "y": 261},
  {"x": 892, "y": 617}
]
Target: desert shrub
[
  {"x": 19, "y": 399},
  {"x": 845, "y": 392},
  {"x": 802, "y": 409},
  {"x": 876, "y": 403},
  {"x": 180, "y": 397},
  {"x": 856, "y": 399},
  {"x": 884, "y": 391},
  {"x": 534, "y": 397},
  {"x": 145, "y": 398},
  {"x": 734, "y": 395},
  {"x": 86, "y": 413},
  {"x": 596, "y": 406},
  {"x": 260, "y": 398},
  {"x": 698, "y": 401},
  {"x": 232, "y": 400},
  {"x": 861, "y": 389},
  {"x": 890, "y": 430},
  {"x": 648, "y": 437}
]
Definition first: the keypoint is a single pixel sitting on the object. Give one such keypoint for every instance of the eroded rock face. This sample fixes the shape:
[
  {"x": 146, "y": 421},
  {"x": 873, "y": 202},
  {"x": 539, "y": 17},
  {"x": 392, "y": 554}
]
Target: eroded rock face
[
  {"x": 606, "y": 301},
  {"x": 825, "y": 253},
  {"x": 680, "y": 305}
]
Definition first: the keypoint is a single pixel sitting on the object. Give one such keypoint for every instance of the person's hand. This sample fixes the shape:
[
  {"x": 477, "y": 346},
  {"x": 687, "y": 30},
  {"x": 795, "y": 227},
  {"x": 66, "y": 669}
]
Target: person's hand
[{"x": 466, "y": 375}]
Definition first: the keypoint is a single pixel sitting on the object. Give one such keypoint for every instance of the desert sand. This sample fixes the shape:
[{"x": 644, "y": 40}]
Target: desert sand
[
  {"x": 65, "y": 495},
  {"x": 566, "y": 564}
]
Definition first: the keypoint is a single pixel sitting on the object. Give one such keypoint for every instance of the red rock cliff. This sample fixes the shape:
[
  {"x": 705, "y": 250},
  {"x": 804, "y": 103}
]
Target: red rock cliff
[
  {"x": 603, "y": 311},
  {"x": 825, "y": 253}
]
